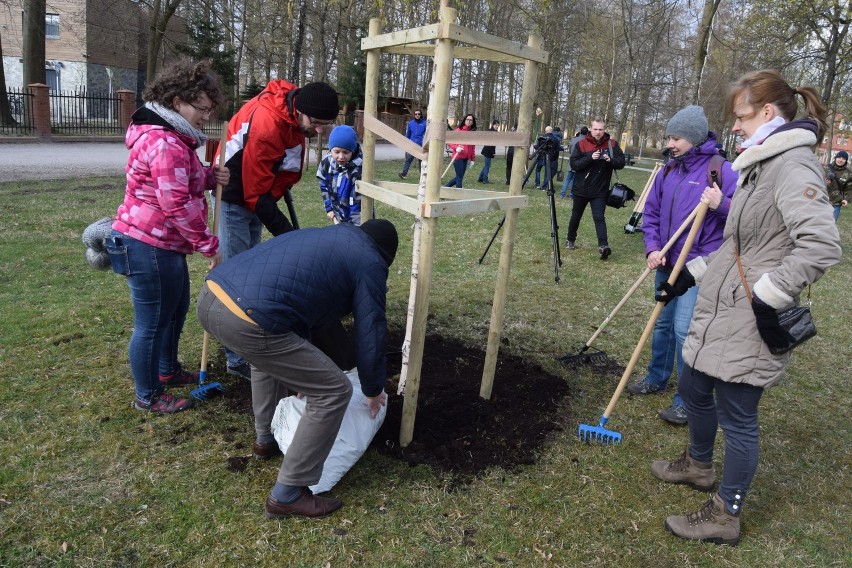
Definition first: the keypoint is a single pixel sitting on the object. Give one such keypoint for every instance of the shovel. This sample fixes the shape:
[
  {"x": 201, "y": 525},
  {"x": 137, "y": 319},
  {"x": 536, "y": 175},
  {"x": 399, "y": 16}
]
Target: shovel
[
  {"x": 599, "y": 433},
  {"x": 205, "y": 390},
  {"x": 600, "y": 357}
]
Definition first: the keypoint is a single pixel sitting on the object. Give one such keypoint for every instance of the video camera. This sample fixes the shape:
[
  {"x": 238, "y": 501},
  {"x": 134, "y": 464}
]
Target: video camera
[{"x": 545, "y": 143}]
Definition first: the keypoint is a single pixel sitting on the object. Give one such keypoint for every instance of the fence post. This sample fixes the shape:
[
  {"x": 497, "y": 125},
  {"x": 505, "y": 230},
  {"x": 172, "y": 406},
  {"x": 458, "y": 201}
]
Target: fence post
[
  {"x": 126, "y": 106},
  {"x": 41, "y": 110},
  {"x": 359, "y": 124}
]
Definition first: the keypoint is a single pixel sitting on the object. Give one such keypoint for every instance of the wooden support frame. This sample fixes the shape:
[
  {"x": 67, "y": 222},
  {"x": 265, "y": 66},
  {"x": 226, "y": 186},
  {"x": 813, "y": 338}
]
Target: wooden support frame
[{"x": 429, "y": 201}]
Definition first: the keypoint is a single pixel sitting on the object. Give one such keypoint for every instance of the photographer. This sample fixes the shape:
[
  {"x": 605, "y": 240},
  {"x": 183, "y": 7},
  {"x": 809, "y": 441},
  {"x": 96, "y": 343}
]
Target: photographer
[
  {"x": 549, "y": 144},
  {"x": 593, "y": 160}
]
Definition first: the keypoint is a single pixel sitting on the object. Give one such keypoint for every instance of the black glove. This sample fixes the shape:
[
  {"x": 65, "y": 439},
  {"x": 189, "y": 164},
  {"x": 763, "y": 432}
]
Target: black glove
[
  {"x": 684, "y": 282},
  {"x": 768, "y": 327}
]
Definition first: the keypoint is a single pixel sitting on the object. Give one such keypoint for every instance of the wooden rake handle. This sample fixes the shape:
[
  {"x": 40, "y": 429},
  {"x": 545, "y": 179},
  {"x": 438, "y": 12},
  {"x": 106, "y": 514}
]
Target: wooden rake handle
[
  {"x": 701, "y": 212},
  {"x": 217, "y": 208},
  {"x": 644, "y": 275}
]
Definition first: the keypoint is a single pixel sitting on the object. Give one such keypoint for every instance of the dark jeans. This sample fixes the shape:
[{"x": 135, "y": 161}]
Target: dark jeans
[
  {"x": 598, "y": 205},
  {"x": 408, "y": 159},
  {"x": 460, "y": 167},
  {"x": 733, "y": 406},
  {"x": 483, "y": 174},
  {"x": 159, "y": 289}
]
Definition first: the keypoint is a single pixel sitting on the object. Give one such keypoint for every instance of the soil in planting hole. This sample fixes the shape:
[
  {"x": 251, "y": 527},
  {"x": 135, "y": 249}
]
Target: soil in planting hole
[{"x": 459, "y": 433}]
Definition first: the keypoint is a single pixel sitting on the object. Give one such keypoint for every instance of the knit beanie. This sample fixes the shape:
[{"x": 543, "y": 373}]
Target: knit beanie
[
  {"x": 343, "y": 137},
  {"x": 690, "y": 124},
  {"x": 842, "y": 154},
  {"x": 384, "y": 235},
  {"x": 317, "y": 100}
]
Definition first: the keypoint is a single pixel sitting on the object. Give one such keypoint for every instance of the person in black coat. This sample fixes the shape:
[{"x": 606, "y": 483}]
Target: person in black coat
[{"x": 488, "y": 153}]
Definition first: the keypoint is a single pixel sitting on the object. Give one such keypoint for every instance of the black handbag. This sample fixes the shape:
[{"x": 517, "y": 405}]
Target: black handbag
[
  {"x": 796, "y": 321},
  {"x": 619, "y": 195}
]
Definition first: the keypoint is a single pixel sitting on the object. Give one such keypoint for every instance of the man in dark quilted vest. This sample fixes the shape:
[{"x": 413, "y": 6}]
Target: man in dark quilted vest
[{"x": 263, "y": 303}]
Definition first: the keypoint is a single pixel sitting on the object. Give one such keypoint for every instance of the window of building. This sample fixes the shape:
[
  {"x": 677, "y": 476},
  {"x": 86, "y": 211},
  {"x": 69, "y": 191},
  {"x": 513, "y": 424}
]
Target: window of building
[{"x": 51, "y": 26}]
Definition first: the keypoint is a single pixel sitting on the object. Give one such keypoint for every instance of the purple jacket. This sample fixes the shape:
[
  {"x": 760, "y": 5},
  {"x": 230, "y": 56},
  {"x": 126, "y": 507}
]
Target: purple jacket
[{"x": 675, "y": 193}]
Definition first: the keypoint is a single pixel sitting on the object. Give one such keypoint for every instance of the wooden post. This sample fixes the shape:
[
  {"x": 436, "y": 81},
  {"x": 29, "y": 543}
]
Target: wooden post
[
  {"x": 371, "y": 102},
  {"x": 437, "y": 114},
  {"x": 510, "y": 227},
  {"x": 41, "y": 110}
]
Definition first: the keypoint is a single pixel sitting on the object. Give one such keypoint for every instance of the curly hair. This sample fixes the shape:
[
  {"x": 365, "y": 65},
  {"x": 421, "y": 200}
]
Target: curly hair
[{"x": 186, "y": 80}]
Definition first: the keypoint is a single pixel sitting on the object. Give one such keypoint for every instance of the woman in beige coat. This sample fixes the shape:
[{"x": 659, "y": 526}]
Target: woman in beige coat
[{"x": 781, "y": 224}]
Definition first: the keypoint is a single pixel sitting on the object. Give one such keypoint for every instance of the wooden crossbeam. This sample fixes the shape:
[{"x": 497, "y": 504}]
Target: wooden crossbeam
[
  {"x": 376, "y": 126},
  {"x": 402, "y": 37},
  {"x": 471, "y": 53},
  {"x": 471, "y": 206}
]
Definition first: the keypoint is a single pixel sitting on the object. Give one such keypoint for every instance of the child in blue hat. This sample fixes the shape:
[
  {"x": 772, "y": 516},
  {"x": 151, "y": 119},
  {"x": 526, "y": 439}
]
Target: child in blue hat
[{"x": 337, "y": 173}]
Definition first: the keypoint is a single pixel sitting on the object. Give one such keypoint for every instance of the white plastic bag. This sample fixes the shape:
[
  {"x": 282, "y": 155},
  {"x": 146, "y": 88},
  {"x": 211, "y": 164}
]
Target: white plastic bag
[{"x": 356, "y": 432}]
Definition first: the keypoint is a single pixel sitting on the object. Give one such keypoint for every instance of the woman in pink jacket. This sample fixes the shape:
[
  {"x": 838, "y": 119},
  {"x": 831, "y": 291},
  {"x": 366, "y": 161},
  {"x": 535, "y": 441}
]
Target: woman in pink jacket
[
  {"x": 462, "y": 152},
  {"x": 162, "y": 219}
]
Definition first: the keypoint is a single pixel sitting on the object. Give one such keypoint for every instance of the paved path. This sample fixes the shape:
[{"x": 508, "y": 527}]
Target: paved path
[{"x": 81, "y": 159}]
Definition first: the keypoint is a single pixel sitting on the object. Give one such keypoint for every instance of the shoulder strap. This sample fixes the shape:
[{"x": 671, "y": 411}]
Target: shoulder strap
[{"x": 714, "y": 170}]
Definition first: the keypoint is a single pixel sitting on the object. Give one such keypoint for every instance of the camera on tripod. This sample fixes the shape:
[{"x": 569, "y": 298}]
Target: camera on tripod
[{"x": 545, "y": 143}]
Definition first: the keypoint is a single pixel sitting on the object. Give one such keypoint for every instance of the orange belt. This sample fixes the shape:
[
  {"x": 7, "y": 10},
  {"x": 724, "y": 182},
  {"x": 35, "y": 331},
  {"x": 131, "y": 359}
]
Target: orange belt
[{"x": 229, "y": 303}]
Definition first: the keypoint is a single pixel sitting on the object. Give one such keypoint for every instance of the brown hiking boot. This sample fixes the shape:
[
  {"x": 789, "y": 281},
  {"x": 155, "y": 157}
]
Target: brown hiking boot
[
  {"x": 710, "y": 523},
  {"x": 686, "y": 470}
]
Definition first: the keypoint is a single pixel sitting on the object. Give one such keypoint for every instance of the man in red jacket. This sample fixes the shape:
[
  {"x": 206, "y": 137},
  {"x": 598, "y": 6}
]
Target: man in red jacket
[{"x": 265, "y": 152}]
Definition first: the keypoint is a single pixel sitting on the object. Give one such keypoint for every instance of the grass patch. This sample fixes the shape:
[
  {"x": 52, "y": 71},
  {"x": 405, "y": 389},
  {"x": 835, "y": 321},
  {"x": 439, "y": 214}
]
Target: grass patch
[{"x": 87, "y": 481}]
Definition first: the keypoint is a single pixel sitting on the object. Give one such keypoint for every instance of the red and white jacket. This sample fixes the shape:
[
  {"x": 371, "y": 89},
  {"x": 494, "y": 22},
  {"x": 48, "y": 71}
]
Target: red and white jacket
[{"x": 264, "y": 153}]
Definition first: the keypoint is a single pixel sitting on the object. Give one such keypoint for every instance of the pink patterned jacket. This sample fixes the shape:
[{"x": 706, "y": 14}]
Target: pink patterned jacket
[{"x": 164, "y": 204}]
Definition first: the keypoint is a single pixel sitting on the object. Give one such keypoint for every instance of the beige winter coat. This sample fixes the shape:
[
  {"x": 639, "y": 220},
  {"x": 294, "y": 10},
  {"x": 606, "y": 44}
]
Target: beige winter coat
[{"x": 782, "y": 220}]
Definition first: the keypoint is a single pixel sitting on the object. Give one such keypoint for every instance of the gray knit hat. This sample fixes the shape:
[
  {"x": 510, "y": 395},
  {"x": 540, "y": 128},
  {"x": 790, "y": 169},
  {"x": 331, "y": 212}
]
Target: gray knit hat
[{"x": 690, "y": 124}]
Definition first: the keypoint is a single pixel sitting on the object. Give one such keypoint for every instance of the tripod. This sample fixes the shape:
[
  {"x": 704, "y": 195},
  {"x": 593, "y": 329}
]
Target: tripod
[{"x": 541, "y": 151}]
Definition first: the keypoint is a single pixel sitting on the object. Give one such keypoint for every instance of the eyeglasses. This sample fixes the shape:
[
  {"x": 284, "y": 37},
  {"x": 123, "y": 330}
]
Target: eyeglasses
[
  {"x": 315, "y": 122},
  {"x": 204, "y": 111},
  {"x": 416, "y": 114}
]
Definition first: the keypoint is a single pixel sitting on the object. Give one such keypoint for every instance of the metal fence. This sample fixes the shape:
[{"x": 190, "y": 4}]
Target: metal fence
[
  {"x": 20, "y": 121},
  {"x": 82, "y": 113}
]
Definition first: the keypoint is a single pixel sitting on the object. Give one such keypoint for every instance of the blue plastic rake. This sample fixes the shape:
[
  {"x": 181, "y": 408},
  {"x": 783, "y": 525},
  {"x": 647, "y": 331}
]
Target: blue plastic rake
[
  {"x": 205, "y": 390},
  {"x": 599, "y": 433}
]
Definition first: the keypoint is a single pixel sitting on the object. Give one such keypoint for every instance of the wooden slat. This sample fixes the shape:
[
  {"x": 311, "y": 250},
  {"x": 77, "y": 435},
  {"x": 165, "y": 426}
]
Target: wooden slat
[
  {"x": 456, "y": 32},
  {"x": 375, "y": 125},
  {"x": 471, "y": 53},
  {"x": 446, "y": 192},
  {"x": 402, "y": 37},
  {"x": 471, "y": 206},
  {"x": 487, "y": 138},
  {"x": 392, "y": 198}
]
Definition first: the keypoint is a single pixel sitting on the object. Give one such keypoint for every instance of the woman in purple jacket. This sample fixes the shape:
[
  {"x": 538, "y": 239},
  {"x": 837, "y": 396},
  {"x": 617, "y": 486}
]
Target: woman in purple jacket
[{"x": 676, "y": 192}]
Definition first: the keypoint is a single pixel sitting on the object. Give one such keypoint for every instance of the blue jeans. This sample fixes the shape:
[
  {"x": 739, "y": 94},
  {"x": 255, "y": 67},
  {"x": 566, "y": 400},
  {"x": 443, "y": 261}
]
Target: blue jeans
[
  {"x": 669, "y": 334},
  {"x": 460, "y": 167},
  {"x": 568, "y": 183},
  {"x": 837, "y": 207},
  {"x": 486, "y": 167},
  {"x": 598, "y": 206},
  {"x": 408, "y": 159},
  {"x": 159, "y": 289},
  {"x": 734, "y": 408},
  {"x": 239, "y": 230}
]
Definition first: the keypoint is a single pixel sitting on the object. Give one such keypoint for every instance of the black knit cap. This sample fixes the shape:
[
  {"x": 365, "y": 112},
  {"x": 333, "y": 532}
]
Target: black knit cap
[
  {"x": 384, "y": 235},
  {"x": 317, "y": 100}
]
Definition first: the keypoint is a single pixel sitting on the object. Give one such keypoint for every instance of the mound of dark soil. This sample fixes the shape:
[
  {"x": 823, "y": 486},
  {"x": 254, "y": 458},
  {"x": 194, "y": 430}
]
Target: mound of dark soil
[{"x": 459, "y": 433}]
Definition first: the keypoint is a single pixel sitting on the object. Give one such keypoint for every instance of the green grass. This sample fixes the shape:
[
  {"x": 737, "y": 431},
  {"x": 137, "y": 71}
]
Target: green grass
[{"x": 87, "y": 481}]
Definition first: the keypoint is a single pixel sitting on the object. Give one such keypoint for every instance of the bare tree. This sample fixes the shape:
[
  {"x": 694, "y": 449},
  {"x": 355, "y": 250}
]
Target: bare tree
[{"x": 34, "y": 16}]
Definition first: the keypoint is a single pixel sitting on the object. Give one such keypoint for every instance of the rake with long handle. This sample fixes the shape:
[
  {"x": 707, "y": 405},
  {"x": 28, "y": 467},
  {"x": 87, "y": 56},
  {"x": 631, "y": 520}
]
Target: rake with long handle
[
  {"x": 455, "y": 155},
  {"x": 581, "y": 357},
  {"x": 599, "y": 433},
  {"x": 205, "y": 390}
]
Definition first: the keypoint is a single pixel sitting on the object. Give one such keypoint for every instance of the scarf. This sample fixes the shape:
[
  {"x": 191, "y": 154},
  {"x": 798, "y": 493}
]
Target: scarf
[
  {"x": 763, "y": 132},
  {"x": 178, "y": 122}
]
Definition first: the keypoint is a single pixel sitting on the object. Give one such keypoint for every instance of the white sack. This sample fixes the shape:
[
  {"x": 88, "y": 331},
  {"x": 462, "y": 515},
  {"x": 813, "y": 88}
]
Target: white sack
[{"x": 356, "y": 432}]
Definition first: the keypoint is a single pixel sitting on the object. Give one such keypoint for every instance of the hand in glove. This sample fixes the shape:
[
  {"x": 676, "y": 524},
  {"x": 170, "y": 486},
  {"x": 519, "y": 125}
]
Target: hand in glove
[
  {"x": 684, "y": 282},
  {"x": 770, "y": 330}
]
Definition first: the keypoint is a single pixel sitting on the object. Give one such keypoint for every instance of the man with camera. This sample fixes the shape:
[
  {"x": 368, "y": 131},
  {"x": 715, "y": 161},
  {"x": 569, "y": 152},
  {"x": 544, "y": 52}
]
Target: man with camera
[
  {"x": 546, "y": 145},
  {"x": 593, "y": 160}
]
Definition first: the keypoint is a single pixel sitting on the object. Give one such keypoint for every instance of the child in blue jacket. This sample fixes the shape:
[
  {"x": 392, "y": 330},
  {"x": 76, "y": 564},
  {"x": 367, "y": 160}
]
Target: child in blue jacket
[{"x": 337, "y": 173}]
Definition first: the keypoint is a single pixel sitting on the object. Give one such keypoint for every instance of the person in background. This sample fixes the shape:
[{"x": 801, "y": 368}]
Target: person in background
[
  {"x": 263, "y": 304},
  {"x": 162, "y": 219},
  {"x": 594, "y": 159},
  {"x": 337, "y": 173},
  {"x": 414, "y": 131},
  {"x": 568, "y": 184},
  {"x": 462, "y": 152},
  {"x": 266, "y": 153},
  {"x": 510, "y": 158},
  {"x": 839, "y": 180},
  {"x": 780, "y": 234},
  {"x": 551, "y": 135},
  {"x": 488, "y": 153},
  {"x": 675, "y": 193}
]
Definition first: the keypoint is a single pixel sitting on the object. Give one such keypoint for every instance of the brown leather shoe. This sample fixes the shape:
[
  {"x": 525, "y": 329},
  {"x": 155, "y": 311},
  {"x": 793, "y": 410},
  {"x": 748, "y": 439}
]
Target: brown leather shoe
[
  {"x": 308, "y": 505},
  {"x": 266, "y": 451}
]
